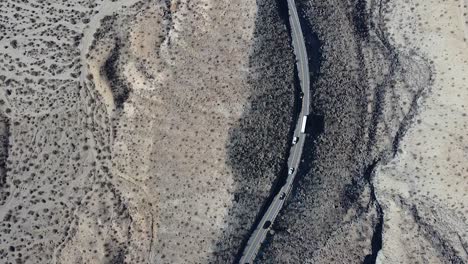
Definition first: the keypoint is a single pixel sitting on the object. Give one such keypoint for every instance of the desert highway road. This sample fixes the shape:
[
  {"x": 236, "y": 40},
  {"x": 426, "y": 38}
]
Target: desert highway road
[{"x": 259, "y": 234}]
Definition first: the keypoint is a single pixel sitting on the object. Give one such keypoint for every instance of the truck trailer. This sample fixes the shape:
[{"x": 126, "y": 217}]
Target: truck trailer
[{"x": 304, "y": 122}]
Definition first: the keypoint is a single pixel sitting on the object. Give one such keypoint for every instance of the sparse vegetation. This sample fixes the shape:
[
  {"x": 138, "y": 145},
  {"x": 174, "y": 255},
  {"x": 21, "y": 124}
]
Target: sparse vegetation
[
  {"x": 138, "y": 131},
  {"x": 383, "y": 177}
]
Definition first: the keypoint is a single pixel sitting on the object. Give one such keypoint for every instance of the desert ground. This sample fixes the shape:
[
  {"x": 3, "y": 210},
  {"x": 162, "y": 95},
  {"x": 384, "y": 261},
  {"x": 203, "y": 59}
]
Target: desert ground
[
  {"x": 154, "y": 131},
  {"x": 138, "y": 131},
  {"x": 423, "y": 188},
  {"x": 387, "y": 180}
]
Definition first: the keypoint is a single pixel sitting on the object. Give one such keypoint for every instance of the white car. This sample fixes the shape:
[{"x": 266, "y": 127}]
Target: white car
[
  {"x": 282, "y": 196},
  {"x": 290, "y": 171},
  {"x": 295, "y": 139}
]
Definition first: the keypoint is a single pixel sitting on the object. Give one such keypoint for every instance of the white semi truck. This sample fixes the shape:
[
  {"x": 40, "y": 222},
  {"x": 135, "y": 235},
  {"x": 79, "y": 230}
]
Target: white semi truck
[{"x": 304, "y": 122}]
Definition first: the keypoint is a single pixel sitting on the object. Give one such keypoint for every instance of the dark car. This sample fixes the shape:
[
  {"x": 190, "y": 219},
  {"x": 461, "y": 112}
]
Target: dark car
[{"x": 267, "y": 224}]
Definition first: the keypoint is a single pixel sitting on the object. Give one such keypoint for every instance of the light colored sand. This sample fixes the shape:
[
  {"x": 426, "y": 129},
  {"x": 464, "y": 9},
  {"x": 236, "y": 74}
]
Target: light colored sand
[
  {"x": 423, "y": 190},
  {"x": 100, "y": 82},
  {"x": 188, "y": 88},
  {"x": 148, "y": 183}
]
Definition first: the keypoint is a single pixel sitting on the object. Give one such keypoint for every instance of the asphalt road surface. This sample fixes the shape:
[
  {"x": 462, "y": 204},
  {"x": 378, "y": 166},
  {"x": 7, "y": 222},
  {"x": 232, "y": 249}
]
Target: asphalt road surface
[{"x": 258, "y": 236}]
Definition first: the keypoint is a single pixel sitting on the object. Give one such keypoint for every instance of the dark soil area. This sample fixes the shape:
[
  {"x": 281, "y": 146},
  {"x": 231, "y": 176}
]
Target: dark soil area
[
  {"x": 259, "y": 144},
  {"x": 119, "y": 86},
  {"x": 332, "y": 178},
  {"x": 4, "y": 142}
]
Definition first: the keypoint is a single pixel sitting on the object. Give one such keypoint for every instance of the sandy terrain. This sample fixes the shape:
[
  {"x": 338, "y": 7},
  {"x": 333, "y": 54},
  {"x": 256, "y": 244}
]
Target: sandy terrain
[
  {"x": 423, "y": 189},
  {"x": 186, "y": 88},
  {"x": 51, "y": 163},
  {"x": 124, "y": 125},
  {"x": 153, "y": 131}
]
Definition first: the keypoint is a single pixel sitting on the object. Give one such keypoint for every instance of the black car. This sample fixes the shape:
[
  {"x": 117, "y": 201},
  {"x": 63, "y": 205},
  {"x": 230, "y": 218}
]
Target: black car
[{"x": 267, "y": 224}]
